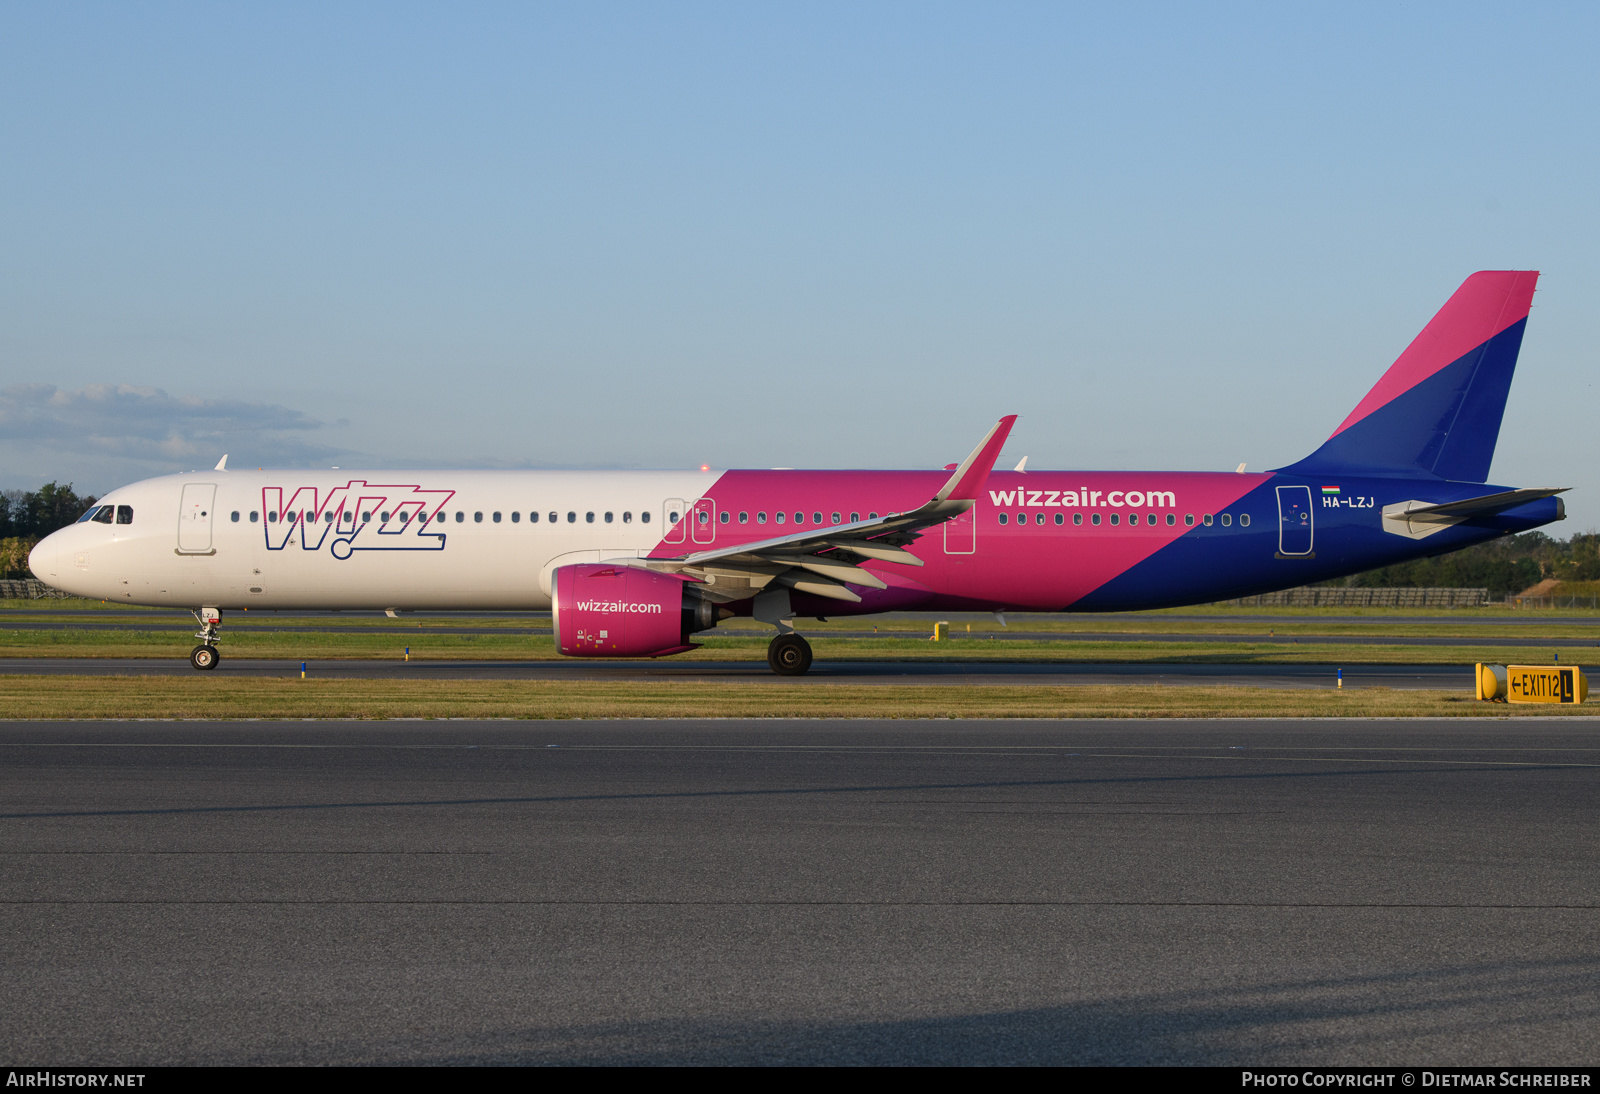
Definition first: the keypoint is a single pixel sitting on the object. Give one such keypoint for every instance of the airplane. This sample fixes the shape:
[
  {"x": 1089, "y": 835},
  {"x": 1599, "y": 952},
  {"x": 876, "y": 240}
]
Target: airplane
[{"x": 635, "y": 564}]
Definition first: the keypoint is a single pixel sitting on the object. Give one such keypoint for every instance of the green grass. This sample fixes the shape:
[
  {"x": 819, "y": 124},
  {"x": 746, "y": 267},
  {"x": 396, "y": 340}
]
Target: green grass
[
  {"x": 290, "y": 697},
  {"x": 239, "y": 642}
]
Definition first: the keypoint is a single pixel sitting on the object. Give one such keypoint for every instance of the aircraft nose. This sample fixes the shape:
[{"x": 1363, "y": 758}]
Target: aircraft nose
[{"x": 42, "y": 559}]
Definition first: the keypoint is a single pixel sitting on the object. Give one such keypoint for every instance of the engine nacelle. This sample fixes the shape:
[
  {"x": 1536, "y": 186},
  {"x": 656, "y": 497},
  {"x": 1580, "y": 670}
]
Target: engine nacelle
[{"x": 623, "y": 611}]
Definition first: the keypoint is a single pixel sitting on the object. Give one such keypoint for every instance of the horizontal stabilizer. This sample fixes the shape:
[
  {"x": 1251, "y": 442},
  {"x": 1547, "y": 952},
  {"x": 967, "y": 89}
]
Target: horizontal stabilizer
[
  {"x": 1484, "y": 506},
  {"x": 1420, "y": 519}
]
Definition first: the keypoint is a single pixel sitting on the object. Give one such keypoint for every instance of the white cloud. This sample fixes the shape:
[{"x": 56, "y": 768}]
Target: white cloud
[{"x": 158, "y": 431}]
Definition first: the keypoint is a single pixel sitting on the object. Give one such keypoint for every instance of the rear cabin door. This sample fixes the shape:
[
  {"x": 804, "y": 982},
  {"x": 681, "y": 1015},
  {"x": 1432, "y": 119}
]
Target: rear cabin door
[
  {"x": 961, "y": 534},
  {"x": 194, "y": 518},
  {"x": 1294, "y": 521},
  {"x": 704, "y": 528}
]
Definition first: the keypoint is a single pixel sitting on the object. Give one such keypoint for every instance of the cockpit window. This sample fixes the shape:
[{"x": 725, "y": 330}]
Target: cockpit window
[
  {"x": 104, "y": 515},
  {"x": 88, "y": 514},
  {"x": 124, "y": 514}
]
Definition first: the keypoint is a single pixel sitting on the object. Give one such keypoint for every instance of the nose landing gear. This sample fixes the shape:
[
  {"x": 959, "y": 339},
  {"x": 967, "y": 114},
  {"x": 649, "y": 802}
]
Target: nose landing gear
[
  {"x": 206, "y": 655},
  {"x": 789, "y": 655}
]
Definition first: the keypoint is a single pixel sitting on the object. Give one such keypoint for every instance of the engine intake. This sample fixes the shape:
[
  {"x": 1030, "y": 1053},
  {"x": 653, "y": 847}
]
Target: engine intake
[{"x": 623, "y": 611}]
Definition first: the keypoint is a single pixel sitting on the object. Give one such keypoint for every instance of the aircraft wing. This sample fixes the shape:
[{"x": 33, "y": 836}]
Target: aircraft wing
[{"x": 823, "y": 560}]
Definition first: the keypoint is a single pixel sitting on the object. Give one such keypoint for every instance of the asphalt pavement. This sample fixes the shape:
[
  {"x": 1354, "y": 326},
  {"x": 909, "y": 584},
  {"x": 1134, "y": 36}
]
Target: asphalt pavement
[{"x": 1166, "y": 892}]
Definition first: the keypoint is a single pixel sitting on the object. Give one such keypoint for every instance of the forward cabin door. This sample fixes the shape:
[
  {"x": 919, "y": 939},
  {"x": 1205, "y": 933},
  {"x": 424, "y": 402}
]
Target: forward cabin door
[
  {"x": 194, "y": 518},
  {"x": 961, "y": 534},
  {"x": 673, "y": 520},
  {"x": 1294, "y": 521}
]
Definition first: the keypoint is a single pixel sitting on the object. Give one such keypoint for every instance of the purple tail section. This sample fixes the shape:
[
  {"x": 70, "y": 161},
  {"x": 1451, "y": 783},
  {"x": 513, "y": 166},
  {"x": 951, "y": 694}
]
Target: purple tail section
[{"x": 1437, "y": 410}]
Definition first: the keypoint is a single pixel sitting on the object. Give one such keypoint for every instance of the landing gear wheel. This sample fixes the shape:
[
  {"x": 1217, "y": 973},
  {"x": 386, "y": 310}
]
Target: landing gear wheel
[
  {"x": 789, "y": 655},
  {"x": 204, "y": 657}
]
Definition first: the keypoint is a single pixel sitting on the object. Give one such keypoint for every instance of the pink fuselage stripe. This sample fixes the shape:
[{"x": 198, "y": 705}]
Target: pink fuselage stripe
[
  {"x": 1032, "y": 566},
  {"x": 1485, "y": 304}
]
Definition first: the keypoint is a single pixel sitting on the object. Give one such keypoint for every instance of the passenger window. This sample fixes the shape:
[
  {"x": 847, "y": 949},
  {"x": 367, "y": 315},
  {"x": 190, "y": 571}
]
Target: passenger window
[
  {"x": 1172, "y": 518},
  {"x": 516, "y": 517},
  {"x": 672, "y": 517},
  {"x": 1077, "y": 518},
  {"x": 1095, "y": 520},
  {"x": 1151, "y": 520},
  {"x": 365, "y": 517},
  {"x": 588, "y": 518},
  {"x": 235, "y": 516},
  {"x": 1022, "y": 518},
  {"x": 255, "y": 515},
  {"x": 1206, "y": 520},
  {"x": 777, "y": 517},
  {"x": 761, "y": 518},
  {"x": 533, "y": 518},
  {"x": 1188, "y": 520},
  {"x": 477, "y": 517},
  {"x": 272, "y": 517},
  {"x": 872, "y": 516},
  {"x": 744, "y": 518},
  {"x": 1227, "y": 519},
  {"x": 723, "y": 516},
  {"x": 496, "y": 516},
  {"x": 1244, "y": 520},
  {"x": 554, "y": 516},
  {"x": 644, "y": 517},
  {"x": 816, "y": 518},
  {"x": 854, "y": 517},
  {"x": 1038, "y": 518},
  {"x": 836, "y": 518},
  {"x": 704, "y": 519},
  {"x": 1133, "y": 519},
  {"x": 608, "y": 518},
  {"x": 572, "y": 518},
  {"x": 1004, "y": 518},
  {"x": 327, "y": 518},
  {"x": 385, "y": 515},
  {"x": 1060, "y": 518},
  {"x": 627, "y": 517},
  {"x": 1114, "y": 520}
]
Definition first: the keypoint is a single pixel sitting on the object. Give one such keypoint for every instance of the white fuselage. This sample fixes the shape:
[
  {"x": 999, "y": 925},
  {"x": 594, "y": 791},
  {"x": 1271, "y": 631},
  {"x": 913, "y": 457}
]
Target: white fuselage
[{"x": 226, "y": 539}]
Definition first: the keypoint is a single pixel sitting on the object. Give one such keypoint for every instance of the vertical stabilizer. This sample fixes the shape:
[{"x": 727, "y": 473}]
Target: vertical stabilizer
[{"x": 1437, "y": 410}]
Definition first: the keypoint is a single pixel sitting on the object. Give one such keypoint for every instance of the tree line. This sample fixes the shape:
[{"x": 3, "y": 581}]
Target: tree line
[{"x": 1503, "y": 566}]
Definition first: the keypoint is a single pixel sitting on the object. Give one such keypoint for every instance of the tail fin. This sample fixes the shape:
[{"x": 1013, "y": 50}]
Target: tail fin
[{"x": 1437, "y": 410}]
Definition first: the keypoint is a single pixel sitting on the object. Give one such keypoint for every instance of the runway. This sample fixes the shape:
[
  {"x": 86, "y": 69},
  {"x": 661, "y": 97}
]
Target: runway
[
  {"x": 1267, "y": 637},
  {"x": 950, "y": 673},
  {"x": 1211, "y": 892}
]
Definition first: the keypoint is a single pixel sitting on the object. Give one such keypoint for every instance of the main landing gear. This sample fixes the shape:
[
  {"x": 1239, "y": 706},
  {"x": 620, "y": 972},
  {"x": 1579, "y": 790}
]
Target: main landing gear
[
  {"x": 206, "y": 655},
  {"x": 789, "y": 655}
]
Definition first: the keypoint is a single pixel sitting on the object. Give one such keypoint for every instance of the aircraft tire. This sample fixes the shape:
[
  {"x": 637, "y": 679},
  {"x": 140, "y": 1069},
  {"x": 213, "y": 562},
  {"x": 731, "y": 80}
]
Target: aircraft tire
[
  {"x": 204, "y": 658},
  {"x": 789, "y": 655}
]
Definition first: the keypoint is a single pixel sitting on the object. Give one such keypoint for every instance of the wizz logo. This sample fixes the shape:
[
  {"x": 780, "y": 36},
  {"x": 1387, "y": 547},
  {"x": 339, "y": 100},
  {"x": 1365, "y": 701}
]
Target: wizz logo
[{"x": 359, "y": 516}]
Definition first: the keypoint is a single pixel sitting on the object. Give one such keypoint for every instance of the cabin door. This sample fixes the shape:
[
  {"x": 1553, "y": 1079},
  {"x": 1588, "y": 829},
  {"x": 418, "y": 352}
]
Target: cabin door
[
  {"x": 194, "y": 518},
  {"x": 674, "y": 520},
  {"x": 704, "y": 528},
  {"x": 1294, "y": 521},
  {"x": 961, "y": 535}
]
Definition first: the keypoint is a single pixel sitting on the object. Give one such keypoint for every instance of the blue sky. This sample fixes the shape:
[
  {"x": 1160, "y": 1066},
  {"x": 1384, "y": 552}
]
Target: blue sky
[{"x": 653, "y": 235}]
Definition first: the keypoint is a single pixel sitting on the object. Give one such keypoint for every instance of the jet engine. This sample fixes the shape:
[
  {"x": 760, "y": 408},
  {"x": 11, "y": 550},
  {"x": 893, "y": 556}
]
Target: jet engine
[{"x": 624, "y": 611}]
